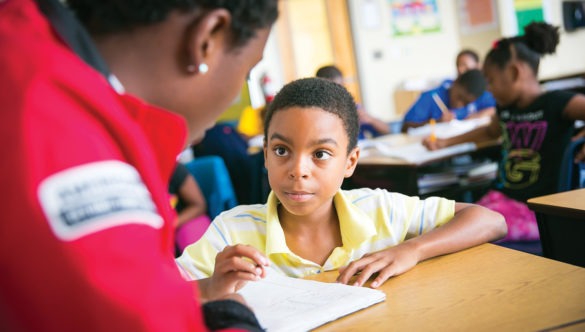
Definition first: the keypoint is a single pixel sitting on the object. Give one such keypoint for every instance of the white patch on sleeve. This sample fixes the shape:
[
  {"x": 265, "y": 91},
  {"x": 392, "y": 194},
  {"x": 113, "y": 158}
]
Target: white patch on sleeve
[{"x": 86, "y": 199}]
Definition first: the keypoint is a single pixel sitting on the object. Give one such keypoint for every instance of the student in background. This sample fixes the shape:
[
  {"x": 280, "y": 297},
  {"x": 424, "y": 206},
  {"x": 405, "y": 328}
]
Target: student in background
[
  {"x": 86, "y": 236},
  {"x": 369, "y": 125},
  {"x": 485, "y": 105},
  {"x": 310, "y": 225},
  {"x": 466, "y": 60},
  {"x": 448, "y": 101},
  {"x": 189, "y": 202},
  {"x": 535, "y": 126}
]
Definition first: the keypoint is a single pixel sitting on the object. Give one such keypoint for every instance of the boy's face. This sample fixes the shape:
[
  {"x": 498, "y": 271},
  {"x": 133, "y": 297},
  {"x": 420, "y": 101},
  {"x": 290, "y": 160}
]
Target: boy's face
[
  {"x": 459, "y": 96},
  {"x": 306, "y": 158}
]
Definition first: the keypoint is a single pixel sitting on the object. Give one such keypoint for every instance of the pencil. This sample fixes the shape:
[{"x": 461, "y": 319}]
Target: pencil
[
  {"x": 440, "y": 103},
  {"x": 432, "y": 137}
]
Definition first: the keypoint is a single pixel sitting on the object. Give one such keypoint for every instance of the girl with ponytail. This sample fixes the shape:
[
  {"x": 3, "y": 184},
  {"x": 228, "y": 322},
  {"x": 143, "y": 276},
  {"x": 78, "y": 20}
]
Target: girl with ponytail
[{"x": 535, "y": 127}]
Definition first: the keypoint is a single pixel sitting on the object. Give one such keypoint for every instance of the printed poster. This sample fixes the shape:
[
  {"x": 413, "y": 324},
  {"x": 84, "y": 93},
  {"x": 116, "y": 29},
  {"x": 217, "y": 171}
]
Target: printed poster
[
  {"x": 477, "y": 16},
  {"x": 413, "y": 17}
]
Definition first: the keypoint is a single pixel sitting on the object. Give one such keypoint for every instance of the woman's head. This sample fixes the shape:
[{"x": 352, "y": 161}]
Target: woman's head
[
  {"x": 317, "y": 93},
  {"x": 513, "y": 62},
  {"x": 466, "y": 60},
  {"x": 188, "y": 56},
  {"x": 113, "y": 16}
]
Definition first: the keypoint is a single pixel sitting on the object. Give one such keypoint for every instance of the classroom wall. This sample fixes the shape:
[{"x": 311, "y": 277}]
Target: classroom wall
[
  {"x": 384, "y": 62},
  {"x": 570, "y": 56}
]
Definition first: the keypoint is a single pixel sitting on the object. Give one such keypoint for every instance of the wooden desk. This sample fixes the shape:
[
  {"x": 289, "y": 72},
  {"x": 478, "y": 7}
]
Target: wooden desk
[
  {"x": 561, "y": 224},
  {"x": 375, "y": 170},
  {"x": 486, "y": 288}
]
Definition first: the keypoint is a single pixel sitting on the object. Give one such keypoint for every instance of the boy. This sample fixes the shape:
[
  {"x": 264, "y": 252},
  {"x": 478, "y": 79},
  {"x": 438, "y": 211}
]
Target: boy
[
  {"x": 463, "y": 98},
  {"x": 309, "y": 225},
  {"x": 370, "y": 126}
]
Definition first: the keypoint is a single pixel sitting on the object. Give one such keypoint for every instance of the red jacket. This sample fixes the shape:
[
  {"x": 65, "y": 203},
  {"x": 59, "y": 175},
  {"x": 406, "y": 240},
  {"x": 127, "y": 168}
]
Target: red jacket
[{"x": 86, "y": 231}]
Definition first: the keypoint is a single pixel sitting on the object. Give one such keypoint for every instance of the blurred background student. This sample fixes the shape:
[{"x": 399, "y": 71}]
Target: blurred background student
[
  {"x": 484, "y": 105},
  {"x": 189, "y": 202},
  {"x": 370, "y": 126},
  {"x": 446, "y": 102},
  {"x": 535, "y": 126},
  {"x": 425, "y": 107}
]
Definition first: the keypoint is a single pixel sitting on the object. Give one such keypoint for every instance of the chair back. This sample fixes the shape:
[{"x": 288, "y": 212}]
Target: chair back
[
  {"x": 572, "y": 176},
  {"x": 215, "y": 183}
]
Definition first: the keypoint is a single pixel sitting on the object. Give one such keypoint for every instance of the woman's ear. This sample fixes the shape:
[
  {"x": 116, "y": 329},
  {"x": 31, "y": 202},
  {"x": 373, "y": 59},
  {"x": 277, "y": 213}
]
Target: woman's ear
[
  {"x": 207, "y": 36},
  {"x": 352, "y": 160}
]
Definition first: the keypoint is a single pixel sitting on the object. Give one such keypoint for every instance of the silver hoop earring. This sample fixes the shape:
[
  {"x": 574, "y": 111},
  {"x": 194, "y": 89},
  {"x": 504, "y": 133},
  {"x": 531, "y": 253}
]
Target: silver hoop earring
[{"x": 203, "y": 68}]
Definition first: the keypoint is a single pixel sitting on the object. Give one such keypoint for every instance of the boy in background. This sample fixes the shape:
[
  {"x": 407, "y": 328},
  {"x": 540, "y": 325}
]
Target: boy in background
[
  {"x": 369, "y": 125},
  {"x": 449, "y": 101}
]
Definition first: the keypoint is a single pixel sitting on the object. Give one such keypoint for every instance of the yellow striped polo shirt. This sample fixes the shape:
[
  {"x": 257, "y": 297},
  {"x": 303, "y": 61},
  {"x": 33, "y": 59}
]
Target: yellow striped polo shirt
[{"x": 370, "y": 220}]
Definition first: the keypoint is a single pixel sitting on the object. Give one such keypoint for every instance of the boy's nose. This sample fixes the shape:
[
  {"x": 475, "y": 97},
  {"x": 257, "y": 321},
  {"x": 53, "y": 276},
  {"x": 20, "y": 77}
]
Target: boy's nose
[{"x": 299, "y": 168}]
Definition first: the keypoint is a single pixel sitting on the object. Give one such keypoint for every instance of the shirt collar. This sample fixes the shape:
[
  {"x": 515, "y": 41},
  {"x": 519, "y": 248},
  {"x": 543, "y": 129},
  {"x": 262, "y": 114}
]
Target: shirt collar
[{"x": 356, "y": 226}]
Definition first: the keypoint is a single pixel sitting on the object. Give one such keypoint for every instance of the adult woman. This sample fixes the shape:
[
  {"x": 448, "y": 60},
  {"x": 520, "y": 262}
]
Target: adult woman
[{"x": 90, "y": 159}]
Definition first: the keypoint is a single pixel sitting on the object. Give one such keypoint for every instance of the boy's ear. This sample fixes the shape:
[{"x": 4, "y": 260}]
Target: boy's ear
[
  {"x": 206, "y": 36},
  {"x": 352, "y": 160}
]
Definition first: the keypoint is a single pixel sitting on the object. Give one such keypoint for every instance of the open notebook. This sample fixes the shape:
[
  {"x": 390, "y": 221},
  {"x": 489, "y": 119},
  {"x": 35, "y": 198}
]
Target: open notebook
[{"x": 288, "y": 304}]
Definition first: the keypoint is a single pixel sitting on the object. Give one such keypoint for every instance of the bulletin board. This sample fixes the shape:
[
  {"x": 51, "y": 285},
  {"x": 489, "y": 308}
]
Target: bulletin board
[
  {"x": 414, "y": 17},
  {"x": 527, "y": 11},
  {"x": 477, "y": 16}
]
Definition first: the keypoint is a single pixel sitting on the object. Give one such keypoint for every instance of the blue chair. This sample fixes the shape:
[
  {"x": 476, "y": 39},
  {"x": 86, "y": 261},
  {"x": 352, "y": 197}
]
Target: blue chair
[
  {"x": 215, "y": 183},
  {"x": 572, "y": 176},
  {"x": 246, "y": 171}
]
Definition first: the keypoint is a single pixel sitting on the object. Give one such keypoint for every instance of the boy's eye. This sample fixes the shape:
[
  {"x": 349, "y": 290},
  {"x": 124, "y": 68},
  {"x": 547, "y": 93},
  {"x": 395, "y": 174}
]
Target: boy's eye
[
  {"x": 322, "y": 155},
  {"x": 280, "y": 151}
]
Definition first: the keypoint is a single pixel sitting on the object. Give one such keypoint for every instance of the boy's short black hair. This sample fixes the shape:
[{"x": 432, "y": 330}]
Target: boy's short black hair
[
  {"x": 329, "y": 72},
  {"x": 473, "y": 82},
  {"x": 110, "y": 16},
  {"x": 321, "y": 93}
]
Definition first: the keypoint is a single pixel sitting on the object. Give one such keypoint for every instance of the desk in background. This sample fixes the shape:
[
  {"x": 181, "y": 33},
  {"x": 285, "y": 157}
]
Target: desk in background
[
  {"x": 561, "y": 224},
  {"x": 398, "y": 175},
  {"x": 486, "y": 288}
]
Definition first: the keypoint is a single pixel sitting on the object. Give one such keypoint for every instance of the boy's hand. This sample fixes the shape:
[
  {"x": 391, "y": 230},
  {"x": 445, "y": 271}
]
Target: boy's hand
[
  {"x": 447, "y": 116},
  {"x": 433, "y": 143},
  {"x": 387, "y": 263},
  {"x": 234, "y": 267}
]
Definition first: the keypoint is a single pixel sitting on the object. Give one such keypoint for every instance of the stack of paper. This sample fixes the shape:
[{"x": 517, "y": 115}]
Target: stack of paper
[
  {"x": 449, "y": 129},
  {"x": 287, "y": 304},
  {"x": 417, "y": 153}
]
